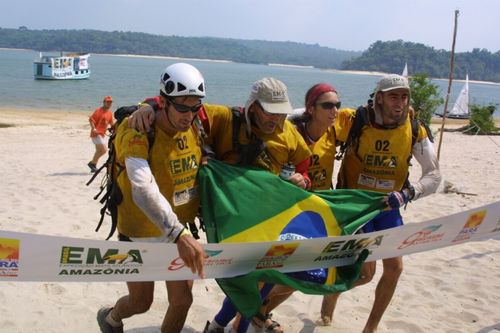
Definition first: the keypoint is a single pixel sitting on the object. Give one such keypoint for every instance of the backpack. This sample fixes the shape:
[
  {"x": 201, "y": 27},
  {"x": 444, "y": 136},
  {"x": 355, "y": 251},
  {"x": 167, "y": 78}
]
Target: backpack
[
  {"x": 246, "y": 153},
  {"x": 361, "y": 119},
  {"x": 112, "y": 196}
]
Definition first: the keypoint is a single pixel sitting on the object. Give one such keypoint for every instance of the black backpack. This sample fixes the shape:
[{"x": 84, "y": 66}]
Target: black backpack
[{"x": 112, "y": 196}]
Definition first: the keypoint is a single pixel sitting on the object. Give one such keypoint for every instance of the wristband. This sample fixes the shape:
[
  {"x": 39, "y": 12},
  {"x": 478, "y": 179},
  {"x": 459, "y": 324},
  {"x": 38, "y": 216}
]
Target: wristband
[{"x": 184, "y": 232}]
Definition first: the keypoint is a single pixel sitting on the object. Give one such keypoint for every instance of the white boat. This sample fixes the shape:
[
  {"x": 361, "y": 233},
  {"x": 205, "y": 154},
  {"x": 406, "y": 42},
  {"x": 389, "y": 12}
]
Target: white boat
[
  {"x": 405, "y": 70},
  {"x": 71, "y": 66},
  {"x": 461, "y": 108}
]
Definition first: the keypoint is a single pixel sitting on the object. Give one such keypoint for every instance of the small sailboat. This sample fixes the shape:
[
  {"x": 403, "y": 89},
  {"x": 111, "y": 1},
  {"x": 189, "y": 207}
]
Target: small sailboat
[
  {"x": 461, "y": 108},
  {"x": 405, "y": 70}
]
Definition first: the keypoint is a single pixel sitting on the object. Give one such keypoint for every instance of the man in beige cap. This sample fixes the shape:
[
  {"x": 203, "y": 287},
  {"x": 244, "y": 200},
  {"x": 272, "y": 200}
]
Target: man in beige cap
[
  {"x": 378, "y": 159},
  {"x": 277, "y": 143}
]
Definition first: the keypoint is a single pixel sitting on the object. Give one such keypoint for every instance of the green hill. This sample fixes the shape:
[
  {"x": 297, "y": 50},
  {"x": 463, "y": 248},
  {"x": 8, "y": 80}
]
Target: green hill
[
  {"x": 388, "y": 57},
  {"x": 243, "y": 51}
]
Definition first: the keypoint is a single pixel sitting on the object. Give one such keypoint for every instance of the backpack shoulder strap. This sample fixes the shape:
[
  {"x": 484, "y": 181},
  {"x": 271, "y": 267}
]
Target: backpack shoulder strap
[
  {"x": 202, "y": 121},
  {"x": 414, "y": 131},
  {"x": 361, "y": 118},
  {"x": 237, "y": 113}
]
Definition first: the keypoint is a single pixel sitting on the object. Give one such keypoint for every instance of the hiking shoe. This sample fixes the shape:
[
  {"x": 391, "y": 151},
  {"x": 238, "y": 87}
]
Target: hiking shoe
[
  {"x": 103, "y": 323},
  {"x": 92, "y": 167}
]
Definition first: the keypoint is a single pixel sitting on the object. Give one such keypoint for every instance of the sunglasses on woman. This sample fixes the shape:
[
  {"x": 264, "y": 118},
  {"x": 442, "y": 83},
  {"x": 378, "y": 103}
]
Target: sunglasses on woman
[
  {"x": 184, "y": 108},
  {"x": 329, "y": 105}
]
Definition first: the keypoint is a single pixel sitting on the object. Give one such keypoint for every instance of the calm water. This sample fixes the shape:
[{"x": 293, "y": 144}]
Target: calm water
[{"x": 130, "y": 79}]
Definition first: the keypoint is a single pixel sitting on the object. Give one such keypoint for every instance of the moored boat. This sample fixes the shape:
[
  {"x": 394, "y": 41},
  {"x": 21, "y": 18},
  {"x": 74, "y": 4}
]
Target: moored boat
[
  {"x": 461, "y": 108},
  {"x": 63, "y": 67}
]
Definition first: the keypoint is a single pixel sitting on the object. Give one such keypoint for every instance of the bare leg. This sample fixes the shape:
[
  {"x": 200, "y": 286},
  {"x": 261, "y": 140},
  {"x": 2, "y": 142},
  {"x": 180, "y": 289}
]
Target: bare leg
[
  {"x": 137, "y": 301},
  {"x": 100, "y": 150},
  {"x": 180, "y": 299},
  {"x": 393, "y": 267},
  {"x": 327, "y": 308},
  {"x": 276, "y": 296},
  {"x": 330, "y": 301}
]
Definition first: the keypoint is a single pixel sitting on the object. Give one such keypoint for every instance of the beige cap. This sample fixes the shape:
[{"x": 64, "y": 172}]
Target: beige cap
[
  {"x": 272, "y": 95},
  {"x": 391, "y": 82},
  {"x": 387, "y": 83}
]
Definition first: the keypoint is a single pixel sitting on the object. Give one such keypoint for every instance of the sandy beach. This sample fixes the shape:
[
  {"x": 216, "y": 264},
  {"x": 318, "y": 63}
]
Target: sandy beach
[{"x": 44, "y": 166}]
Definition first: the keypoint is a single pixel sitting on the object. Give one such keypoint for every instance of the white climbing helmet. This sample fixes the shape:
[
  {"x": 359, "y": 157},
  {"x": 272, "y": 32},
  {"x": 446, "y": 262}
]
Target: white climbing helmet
[{"x": 182, "y": 79}]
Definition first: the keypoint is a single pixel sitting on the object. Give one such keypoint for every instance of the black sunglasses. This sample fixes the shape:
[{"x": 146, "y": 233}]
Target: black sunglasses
[
  {"x": 184, "y": 108},
  {"x": 329, "y": 105}
]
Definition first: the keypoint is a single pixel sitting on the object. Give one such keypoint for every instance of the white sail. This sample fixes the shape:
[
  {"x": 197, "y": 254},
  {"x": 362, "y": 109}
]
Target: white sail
[
  {"x": 461, "y": 107},
  {"x": 405, "y": 71}
]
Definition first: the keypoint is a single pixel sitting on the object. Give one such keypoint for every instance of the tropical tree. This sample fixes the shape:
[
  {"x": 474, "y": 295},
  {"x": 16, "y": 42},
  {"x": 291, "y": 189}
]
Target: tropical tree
[{"x": 424, "y": 97}]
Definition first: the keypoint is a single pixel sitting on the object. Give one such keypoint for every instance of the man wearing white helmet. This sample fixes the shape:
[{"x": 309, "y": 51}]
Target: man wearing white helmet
[
  {"x": 378, "y": 159},
  {"x": 160, "y": 194},
  {"x": 262, "y": 138}
]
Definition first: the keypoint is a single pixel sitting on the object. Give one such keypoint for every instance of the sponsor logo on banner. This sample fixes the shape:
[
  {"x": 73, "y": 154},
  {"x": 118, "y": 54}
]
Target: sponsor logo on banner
[
  {"x": 348, "y": 248},
  {"x": 470, "y": 227},
  {"x": 97, "y": 261},
  {"x": 426, "y": 235},
  {"x": 177, "y": 263},
  {"x": 277, "y": 255},
  {"x": 9, "y": 257}
]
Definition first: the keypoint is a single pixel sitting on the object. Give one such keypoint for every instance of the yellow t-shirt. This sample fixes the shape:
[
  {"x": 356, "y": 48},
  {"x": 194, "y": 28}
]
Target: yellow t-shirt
[
  {"x": 174, "y": 162},
  {"x": 322, "y": 161},
  {"x": 282, "y": 146},
  {"x": 382, "y": 159}
]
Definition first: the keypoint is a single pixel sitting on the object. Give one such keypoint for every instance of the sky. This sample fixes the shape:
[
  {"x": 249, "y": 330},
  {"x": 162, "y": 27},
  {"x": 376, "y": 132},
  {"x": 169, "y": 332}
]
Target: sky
[{"x": 341, "y": 24}]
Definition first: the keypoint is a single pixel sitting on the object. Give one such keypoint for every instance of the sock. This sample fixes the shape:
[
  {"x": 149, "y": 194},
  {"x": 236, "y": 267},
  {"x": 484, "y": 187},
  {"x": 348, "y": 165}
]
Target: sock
[
  {"x": 112, "y": 321},
  {"x": 214, "y": 325}
]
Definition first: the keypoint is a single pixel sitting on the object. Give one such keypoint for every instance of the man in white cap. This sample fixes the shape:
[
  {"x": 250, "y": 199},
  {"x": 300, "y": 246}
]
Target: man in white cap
[{"x": 378, "y": 159}]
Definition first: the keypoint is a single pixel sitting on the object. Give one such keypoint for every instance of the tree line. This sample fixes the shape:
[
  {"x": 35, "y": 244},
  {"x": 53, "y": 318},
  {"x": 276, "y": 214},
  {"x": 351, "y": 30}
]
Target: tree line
[
  {"x": 389, "y": 57},
  {"x": 118, "y": 42}
]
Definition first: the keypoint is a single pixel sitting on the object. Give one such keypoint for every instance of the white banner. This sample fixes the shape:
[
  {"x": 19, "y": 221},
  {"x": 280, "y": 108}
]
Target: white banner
[
  {"x": 62, "y": 67},
  {"x": 31, "y": 257}
]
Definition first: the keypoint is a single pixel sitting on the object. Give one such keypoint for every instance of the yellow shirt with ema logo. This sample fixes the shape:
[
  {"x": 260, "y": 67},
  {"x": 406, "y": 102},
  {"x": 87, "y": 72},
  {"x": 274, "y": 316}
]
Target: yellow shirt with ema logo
[
  {"x": 382, "y": 159},
  {"x": 174, "y": 162}
]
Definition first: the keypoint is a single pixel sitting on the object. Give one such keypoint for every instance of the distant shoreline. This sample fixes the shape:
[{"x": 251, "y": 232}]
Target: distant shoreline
[
  {"x": 373, "y": 73},
  {"x": 356, "y": 72}
]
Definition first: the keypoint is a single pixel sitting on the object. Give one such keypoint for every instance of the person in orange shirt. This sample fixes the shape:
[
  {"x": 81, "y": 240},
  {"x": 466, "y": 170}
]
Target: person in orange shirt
[{"x": 99, "y": 122}]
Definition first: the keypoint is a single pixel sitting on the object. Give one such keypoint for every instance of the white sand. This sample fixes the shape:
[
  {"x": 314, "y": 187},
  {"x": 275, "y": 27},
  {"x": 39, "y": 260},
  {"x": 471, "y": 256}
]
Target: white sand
[{"x": 44, "y": 171}]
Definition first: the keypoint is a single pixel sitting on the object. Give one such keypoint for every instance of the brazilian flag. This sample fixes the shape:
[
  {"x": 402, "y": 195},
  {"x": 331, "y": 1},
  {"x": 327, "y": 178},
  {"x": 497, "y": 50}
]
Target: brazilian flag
[{"x": 241, "y": 204}]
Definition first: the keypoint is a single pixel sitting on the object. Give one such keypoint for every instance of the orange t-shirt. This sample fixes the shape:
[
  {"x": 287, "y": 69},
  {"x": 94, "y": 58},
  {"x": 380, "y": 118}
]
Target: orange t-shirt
[{"x": 101, "y": 119}]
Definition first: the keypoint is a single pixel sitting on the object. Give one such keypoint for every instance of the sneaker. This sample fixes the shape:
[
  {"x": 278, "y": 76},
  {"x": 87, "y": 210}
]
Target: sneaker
[
  {"x": 103, "y": 323},
  {"x": 92, "y": 167},
  {"x": 213, "y": 327}
]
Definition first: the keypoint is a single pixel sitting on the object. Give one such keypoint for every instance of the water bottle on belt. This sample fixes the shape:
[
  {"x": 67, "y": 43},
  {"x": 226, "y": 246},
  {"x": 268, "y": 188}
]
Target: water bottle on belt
[{"x": 287, "y": 170}]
